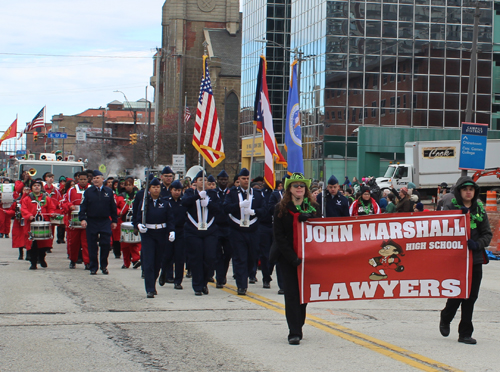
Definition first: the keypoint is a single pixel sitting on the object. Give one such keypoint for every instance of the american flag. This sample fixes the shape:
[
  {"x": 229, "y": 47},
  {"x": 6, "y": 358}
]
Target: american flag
[
  {"x": 37, "y": 122},
  {"x": 263, "y": 118},
  {"x": 207, "y": 138},
  {"x": 187, "y": 114}
]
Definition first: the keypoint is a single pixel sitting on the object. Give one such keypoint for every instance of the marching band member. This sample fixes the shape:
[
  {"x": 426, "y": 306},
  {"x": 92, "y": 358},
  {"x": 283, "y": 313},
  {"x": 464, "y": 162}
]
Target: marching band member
[
  {"x": 55, "y": 195},
  {"x": 297, "y": 204},
  {"x": 25, "y": 180},
  {"x": 36, "y": 205},
  {"x": 77, "y": 238},
  {"x": 98, "y": 216},
  {"x": 175, "y": 250},
  {"x": 155, "y": 228},
  {"x": 201, "y": 233},
  {"x": 129, "y": 250},
  {"x": 224, "y": 250},
  {"x": 18, "y": 236},
  {"x": 244, "y": 212}
]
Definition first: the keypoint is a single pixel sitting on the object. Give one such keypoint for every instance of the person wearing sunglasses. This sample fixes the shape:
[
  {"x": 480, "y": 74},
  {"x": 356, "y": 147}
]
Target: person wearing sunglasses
[{"x": 297, "y": 205}]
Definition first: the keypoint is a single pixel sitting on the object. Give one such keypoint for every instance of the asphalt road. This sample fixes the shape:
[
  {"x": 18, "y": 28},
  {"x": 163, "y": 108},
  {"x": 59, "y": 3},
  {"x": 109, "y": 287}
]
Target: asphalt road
[{"x": 57, "y": 319}]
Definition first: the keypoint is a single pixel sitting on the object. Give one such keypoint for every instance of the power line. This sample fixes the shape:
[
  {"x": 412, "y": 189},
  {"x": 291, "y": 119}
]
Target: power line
[{"x": 70, "y": 56}]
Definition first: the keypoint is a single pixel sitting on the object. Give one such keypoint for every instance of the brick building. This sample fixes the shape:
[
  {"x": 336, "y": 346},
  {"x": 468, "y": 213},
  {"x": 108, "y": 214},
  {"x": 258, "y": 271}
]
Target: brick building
[{"x": 188, "y": 29}]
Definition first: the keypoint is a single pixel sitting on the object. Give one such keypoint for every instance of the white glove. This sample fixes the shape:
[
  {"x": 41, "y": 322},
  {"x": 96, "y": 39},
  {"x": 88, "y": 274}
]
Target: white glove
[
  {"x": 203, "y": 194},
  {"x": 248, "y": 212},
  {"x": 142, "y": 228},
  {"x": 204, "y": 202},
  {"x": 245, "y": 203},
  {"x": 171, "y": 237}
]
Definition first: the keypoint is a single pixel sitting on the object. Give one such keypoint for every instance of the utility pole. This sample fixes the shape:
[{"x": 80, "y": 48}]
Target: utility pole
[
  {"x": 158, "y": 57},
  {"x": 102, "y": 142},
  {"x": 472, "y": 71},
  {"x": 181, "y": 111}
]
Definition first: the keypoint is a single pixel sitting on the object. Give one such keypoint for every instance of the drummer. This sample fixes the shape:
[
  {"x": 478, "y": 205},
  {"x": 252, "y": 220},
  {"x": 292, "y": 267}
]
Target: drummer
[
  {"x": 124, "y": 203},
  {"x": 54, "y": 194},
  {"x": 40, "y": 206},
  {"x": 157, "y": 226},
  {"x": 77, "y": 237}
]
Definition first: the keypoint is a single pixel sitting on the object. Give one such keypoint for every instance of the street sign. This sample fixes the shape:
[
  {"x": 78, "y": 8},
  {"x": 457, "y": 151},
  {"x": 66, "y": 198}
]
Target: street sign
[
  {"x": 20, "y": 152},
  {"x": 57, "y": 135},
  {"x": 81, "y": 136},
  {"x": 473, "y": 146},
  {"x": 179, "y": 163}
]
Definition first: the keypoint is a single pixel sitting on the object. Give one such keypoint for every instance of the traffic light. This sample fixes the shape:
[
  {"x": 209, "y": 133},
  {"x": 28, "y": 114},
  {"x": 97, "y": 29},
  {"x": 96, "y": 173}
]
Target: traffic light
[
  {"x": 35, "y": 136},
  {"x": 133, "y": 138}
]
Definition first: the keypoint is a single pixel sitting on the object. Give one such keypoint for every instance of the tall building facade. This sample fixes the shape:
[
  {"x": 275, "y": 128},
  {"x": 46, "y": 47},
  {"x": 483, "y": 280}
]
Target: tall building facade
[
  {"x": 401, "y": 64},
  {"x": 189, "y": 29}
]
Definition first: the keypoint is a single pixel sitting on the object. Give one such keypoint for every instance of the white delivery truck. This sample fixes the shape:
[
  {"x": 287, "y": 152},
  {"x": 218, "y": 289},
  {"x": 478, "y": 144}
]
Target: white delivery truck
[{"x": 429, "y": 163}]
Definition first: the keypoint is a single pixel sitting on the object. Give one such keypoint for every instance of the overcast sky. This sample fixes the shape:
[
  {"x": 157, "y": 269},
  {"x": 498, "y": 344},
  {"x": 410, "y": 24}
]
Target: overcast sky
[{"x": 33, "y": 32}]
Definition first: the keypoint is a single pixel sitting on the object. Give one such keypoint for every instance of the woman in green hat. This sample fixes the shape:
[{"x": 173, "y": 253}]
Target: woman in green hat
[{"x": 297, "y": 205}]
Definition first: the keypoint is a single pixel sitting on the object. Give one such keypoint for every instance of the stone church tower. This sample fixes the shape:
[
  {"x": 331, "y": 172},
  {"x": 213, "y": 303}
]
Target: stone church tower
[{"x": 186, "y": 29}]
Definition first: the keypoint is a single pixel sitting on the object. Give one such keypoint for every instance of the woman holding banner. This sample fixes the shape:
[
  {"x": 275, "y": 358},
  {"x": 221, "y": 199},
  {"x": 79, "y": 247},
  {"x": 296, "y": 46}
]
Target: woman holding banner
[
  {"x": 466, "y": 194},
  {"x": 297, "y": 205}
]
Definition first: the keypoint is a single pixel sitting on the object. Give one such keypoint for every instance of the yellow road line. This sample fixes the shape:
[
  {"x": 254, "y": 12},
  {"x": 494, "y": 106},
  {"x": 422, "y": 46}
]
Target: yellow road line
[{"x": 392, "y": 351}]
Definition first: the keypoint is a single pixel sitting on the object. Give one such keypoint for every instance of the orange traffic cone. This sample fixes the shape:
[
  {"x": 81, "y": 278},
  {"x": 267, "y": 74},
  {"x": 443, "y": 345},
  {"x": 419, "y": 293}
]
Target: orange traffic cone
[{"x": 491, "y": 201}]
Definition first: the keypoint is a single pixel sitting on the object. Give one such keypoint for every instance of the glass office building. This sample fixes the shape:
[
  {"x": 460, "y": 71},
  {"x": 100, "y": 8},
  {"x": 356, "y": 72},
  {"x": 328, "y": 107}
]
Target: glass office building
[{"x": 381, "y": 63}]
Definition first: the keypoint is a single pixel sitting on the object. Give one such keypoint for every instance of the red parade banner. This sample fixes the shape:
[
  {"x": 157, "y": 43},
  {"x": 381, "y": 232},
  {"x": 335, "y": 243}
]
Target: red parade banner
[{"x": 404, "y": 255}]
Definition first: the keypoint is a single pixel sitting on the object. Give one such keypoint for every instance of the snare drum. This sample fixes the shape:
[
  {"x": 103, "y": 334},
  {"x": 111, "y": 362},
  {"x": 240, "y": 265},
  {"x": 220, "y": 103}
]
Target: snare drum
[
  {"x": 40, "y": 230},
  {"x": 127, "y": 234},
  {"x": 57, "y": 219},
  {"x": 75, "y": 222}
]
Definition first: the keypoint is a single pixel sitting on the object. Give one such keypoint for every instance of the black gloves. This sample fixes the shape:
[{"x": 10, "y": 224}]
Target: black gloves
[
  {"x": 303, "y": 217},
  {"x": 297, "y": 261},
  {"x": 472, "y": 245},
  {"x": 465, "y": 210}
]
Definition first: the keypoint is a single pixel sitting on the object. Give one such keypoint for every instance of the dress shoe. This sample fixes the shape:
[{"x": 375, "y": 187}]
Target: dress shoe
[
  {"x": 33, "y": 267},
  {"x": 252, "y": 280},
  {"x": 87, "y": 267},
  {"x": 21, "y": 254},
  {"x": 211, "y": 280},
  {"x": 105, "y": 271},
  {"x": 294, "y": 340},
  {"x": 467, "y": 340},
  {"x": 72, "y": 265},
  {"x": 219, "y": 285},
  {"x": 242, "y": 291},
  {"x": 49, "y": 250},
  {"x": 444, "y": 328},
  {"x": 43, "y": 263},
  {"x": 137, "y": 264},
  {"x": 169, "y": 281},
  {"x": 205, "y": 290},
  {"x": 281, "y": 292},
  {"x": 266, "y": 285},
  {"x": 197, "y": 293},
  {"x": 93, "y": 272},
  {"x": 80, "y": 261},
  {"x": 178, "y": 286},
  {"x": 188, "y": 274},
  {"x": 6, "y": 235},
  {"x": 156, "y": 292},
  {"x": 150, "y": 295},
  {"x": 124, "y": 267},
  {"x": 161, "y": 280}
]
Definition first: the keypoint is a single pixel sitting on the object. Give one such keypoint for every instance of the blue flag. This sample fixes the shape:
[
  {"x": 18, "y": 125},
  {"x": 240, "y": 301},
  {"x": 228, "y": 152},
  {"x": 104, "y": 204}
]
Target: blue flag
[{"x": 293, "y": 134}]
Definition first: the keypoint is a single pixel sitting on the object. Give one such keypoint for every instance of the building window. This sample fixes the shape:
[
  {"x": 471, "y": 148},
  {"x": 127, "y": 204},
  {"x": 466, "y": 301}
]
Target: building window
[
  {"x": 393, "y": 102},
  {"x": 353, "y": 115},
  {"x": 366, "y": 112},
  {"x": 382, "y": 107},
  {"x": 339, "y": 115},
  {"x": 414, "y": 101},
  {"x": 374, "y": 110},
  {"x": 384, "y": 77},
  {"x": 404, "y": 100},
  {"x": 375, "y": 81},
  {"x": 328, "y": 115}
]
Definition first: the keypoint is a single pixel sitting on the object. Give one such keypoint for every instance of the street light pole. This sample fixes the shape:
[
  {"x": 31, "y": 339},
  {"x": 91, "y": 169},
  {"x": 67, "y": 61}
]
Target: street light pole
[{"x": 134, "y": 112}]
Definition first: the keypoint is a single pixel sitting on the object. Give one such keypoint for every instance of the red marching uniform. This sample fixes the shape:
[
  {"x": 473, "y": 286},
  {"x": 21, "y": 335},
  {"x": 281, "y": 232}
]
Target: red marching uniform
[
  {"x": 30, "y": 207},
  {"x": 129, "y": 250},
  {"x": 75, "y": 237},
  {"x": 56, "y": 197},
  {"x": 18, "y": 236},
  {"x": 4, "y": 221}
]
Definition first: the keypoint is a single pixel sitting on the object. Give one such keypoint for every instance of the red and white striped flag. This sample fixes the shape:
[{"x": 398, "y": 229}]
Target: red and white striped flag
[
  {"x": 187, "y": 114},
  {"x": 37, "y": 122},
  {"x": 207, "y": 138},
  {"x": 263, "y": 118}
]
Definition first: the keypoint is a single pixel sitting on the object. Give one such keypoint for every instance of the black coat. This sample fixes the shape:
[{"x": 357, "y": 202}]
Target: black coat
[{"x": 282, "y": 249}]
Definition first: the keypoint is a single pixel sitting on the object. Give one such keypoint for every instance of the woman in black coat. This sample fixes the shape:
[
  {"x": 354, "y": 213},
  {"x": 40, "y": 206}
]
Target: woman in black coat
[{"x": 297, "y": 205}]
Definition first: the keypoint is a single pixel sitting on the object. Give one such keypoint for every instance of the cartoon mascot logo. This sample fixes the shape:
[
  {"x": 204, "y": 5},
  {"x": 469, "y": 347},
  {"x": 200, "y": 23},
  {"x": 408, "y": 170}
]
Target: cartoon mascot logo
[{"x": 389, "y": 259}]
